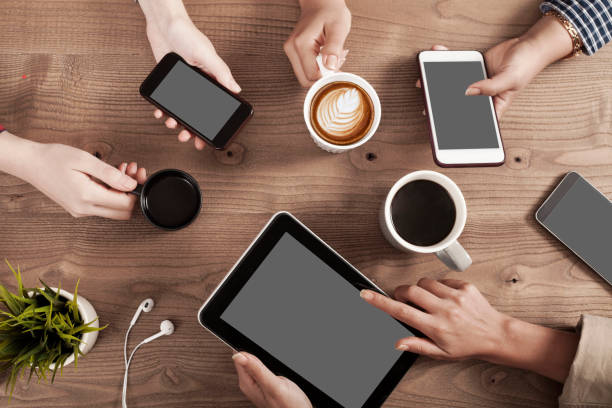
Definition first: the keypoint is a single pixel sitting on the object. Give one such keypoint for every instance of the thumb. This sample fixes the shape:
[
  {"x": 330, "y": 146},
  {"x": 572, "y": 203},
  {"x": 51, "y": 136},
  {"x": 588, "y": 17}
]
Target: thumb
[
  {"x": 421, "y": 346},
  {"x": 265, "y": 378},
  {"x": 211, "y": 63},
  {"x": 492, "y": 86},
  {"x": 108, "y": 174},
  {"x": 333, "y": 48}
]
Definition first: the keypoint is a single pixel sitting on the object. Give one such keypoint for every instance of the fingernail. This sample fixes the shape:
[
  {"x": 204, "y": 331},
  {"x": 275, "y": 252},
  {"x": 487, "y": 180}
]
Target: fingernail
[
  {"x": 365, "y": 294},
  {"x": 236, "y": 87},
  {"x": 472, "y": 91},
  {"x": 402, "y": 347},
  {"x": 240, "y": 358},
  {"x": 332, "y": 62},
  {"x": 345, "y": 53},
  {"x": 128, "y": 182},
  {"x": 424, "y": 113}
]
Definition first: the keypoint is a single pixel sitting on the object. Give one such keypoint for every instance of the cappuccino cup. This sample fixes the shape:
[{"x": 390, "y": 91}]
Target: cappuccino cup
[
  {"x": 425, "y": 212},
  {"x": 341, "y": 110}
]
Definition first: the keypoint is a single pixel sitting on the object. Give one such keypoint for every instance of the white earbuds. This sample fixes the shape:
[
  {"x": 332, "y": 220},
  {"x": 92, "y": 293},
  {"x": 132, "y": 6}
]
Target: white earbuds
[
  {"x": 166, "y": 328},
  {"x": 146, "y": 306}
]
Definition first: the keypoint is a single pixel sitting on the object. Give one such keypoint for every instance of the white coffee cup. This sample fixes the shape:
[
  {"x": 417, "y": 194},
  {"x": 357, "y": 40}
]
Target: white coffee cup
[
  {"x": 329, "y": 77},
  {"x": 449, "y": 250}
]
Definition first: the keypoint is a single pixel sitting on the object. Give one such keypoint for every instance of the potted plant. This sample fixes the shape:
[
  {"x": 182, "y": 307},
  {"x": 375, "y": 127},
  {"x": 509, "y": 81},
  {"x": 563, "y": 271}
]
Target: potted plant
[{"x": 43, "y": 329}]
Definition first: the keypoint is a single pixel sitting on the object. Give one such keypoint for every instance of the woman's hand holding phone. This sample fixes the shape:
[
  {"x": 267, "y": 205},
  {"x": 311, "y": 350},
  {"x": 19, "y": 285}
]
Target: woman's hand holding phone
[
  {"x": 170, "y": 29},
  {"x": 512, "y": 64}
]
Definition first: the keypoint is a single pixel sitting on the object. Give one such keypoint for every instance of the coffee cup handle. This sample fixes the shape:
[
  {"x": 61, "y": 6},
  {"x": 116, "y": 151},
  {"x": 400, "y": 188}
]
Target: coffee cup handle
[
  {"x": 324, "y": 71},
  {"x": 455, "y": 257},
  {"x": 137, "y": 191}
]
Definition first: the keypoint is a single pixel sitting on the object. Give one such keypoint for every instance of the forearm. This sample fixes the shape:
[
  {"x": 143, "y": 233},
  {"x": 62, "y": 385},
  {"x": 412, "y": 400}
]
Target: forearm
[
  {"x": 162, "y": 12},
  {"x": 546, "y": 351},
  {"x": 590, "y": 18},
  {"x": 550, "y": 38},
  {"x": 16, "y": 154},
  {"x": 319, "y": 3}
]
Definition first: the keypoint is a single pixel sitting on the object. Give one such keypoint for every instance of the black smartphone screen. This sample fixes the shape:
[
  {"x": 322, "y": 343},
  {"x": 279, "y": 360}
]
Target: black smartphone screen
[
  {"x": 195, "y": 100},
  {"x": 461, "y": 122},
  {"x": 581, "y": 217}
]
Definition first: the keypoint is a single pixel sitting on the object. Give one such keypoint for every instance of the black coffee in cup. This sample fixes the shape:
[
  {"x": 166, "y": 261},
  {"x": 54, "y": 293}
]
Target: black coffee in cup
[
  {"x": 423, "y": 212},
  {"x": 170, "y": 199}
]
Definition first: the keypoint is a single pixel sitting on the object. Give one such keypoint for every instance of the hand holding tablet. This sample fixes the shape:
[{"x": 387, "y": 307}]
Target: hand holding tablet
[{"x": 264, "y": 388}]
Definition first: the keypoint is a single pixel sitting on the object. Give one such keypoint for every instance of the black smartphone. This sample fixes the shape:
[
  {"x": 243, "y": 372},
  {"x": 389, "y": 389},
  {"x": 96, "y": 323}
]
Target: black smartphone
[
  {"x": 580, "y": 216},
  {"x": 198, "y": 102}
]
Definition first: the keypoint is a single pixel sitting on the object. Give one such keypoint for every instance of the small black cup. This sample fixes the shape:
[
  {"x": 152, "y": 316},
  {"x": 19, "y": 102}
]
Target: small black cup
[{"x": 170, "y": 199}]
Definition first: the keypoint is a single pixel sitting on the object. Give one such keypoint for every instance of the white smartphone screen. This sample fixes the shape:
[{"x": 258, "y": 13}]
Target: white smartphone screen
[{"x": 460, "y": 121}]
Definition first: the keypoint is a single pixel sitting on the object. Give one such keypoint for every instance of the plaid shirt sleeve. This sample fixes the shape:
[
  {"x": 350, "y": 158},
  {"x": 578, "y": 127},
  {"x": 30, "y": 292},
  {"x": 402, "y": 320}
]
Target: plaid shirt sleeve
[
  {"x": 592, "y": 19},
  {"x": 2, "y": 129}
]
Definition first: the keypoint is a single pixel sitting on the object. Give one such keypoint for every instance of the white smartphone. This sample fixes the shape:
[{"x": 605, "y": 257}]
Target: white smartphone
[{"x": 464, "y": 129}]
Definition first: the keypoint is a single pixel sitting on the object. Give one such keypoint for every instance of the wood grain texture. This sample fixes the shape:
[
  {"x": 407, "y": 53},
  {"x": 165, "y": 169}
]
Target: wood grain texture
[{"x": 84, "y": 61}]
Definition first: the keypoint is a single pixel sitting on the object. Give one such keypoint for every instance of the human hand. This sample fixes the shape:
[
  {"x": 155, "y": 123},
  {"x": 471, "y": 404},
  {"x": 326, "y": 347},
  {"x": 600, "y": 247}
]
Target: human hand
[
  {"x": 458, "y": 321},
  {"x": 69, "y": 177},
  {"x": 322, "y": 29},
  {"x": 513, "y": 63},
  {"x": 511, "y": 66},
  {"x": 169, "y": 29},
  {"x": 265, "y": 389}
]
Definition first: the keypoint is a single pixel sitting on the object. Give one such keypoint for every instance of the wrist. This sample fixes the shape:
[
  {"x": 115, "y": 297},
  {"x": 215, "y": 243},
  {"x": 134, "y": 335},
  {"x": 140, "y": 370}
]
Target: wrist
[
  {"x": 550, "y": 39},
  {"x": 317, "y": 4},
  {"x": 17, "y": 155},
  {"x": 512, "y": 338},
  {"x": 548, "y": 352},
  {"x": 163, "y": 13},
  {"x": 496, "y": 346}
]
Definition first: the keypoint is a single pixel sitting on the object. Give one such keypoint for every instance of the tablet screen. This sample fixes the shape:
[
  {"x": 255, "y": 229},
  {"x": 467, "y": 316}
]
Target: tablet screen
[{"x": 310, "y": 318}]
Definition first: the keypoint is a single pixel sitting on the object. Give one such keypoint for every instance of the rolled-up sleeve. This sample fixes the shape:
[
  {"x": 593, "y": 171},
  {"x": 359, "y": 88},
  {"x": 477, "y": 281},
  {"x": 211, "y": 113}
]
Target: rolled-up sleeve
[
  {"x": 589, "y": 383},
  {"x": 592, "y": 19}
]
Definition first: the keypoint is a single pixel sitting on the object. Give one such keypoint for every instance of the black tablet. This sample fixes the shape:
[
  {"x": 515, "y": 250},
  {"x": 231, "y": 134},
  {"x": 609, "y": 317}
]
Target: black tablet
[{"x": 293, "y": 302}]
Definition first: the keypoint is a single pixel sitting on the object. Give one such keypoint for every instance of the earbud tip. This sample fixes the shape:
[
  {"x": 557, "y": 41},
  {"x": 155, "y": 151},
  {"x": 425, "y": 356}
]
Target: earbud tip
[
  {"x": 147, "y": 305},
  {"x": 166, "y": 327}
]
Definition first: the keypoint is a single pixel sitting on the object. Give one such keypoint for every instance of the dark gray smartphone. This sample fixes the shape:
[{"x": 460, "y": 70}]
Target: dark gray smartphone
[
  {"x": 197, "y": 101},
  {"x": 580, "y": 216}
]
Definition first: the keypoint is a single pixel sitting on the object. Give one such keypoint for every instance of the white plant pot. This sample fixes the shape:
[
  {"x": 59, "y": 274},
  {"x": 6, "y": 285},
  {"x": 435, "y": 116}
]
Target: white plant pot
[{"x": 88, "y": 314}]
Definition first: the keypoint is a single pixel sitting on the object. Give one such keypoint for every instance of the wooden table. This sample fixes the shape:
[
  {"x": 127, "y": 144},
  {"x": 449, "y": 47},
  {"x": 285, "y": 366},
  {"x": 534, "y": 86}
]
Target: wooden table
[{"x": 83, "y": 61}]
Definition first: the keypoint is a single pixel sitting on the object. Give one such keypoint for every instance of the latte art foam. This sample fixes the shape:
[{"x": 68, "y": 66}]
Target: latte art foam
[{"x": 341, "y": 113}]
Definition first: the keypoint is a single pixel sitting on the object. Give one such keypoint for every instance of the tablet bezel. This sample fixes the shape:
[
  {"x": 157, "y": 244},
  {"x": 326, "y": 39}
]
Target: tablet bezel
[{"x": 210, "y": 313}]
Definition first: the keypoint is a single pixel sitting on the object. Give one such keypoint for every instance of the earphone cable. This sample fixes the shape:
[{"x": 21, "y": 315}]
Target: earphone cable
[
  {"x": 125, "y": 377},
  {"x": 127, "y": 333}
]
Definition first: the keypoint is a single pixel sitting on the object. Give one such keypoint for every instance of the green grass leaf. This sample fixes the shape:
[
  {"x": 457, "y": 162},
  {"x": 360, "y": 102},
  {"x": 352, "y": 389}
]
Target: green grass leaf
[{"x": 38, "y": 328}]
